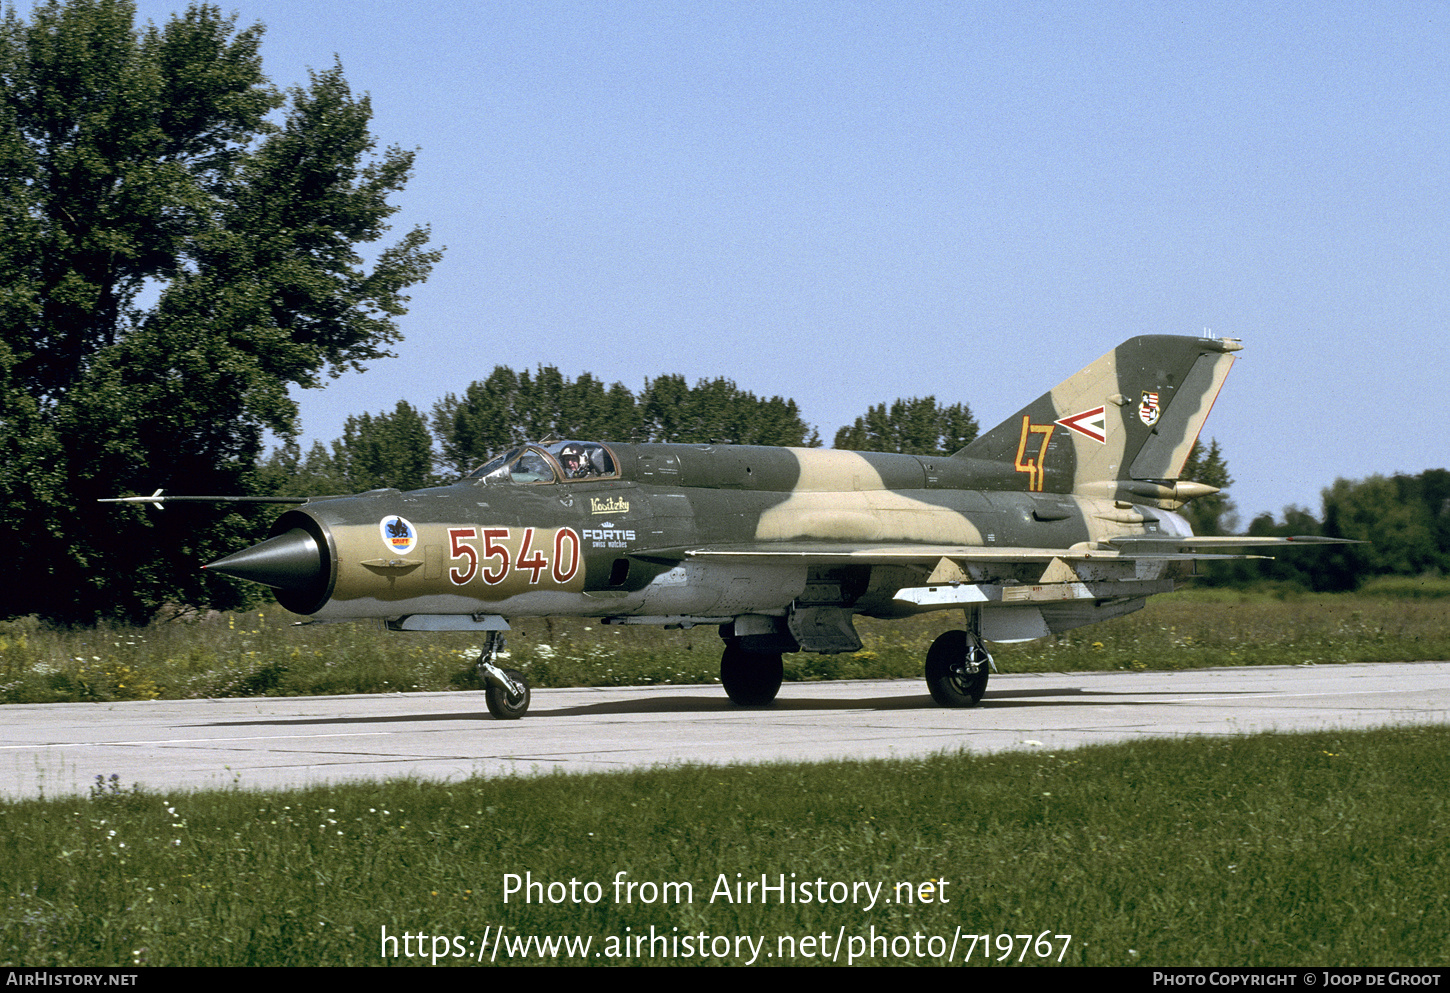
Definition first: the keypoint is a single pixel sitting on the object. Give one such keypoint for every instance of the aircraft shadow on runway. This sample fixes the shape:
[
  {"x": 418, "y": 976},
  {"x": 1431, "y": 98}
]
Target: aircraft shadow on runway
[{"x": 1069, "y": 697}]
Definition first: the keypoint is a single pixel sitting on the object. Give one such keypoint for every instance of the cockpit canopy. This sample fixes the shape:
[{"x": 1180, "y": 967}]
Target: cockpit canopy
[{"x": 541, "y": 464}]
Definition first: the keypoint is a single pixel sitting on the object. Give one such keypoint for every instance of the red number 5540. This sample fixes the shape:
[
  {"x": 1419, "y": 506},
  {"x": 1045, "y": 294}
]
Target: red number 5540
[{"x": 496, "y": 561}]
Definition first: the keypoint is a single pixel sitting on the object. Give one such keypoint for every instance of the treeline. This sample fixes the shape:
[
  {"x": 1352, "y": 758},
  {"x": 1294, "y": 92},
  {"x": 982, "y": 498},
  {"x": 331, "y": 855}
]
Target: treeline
[
  {"x": 408, "y": 449},
  {"x": 1403, "y": 522}
]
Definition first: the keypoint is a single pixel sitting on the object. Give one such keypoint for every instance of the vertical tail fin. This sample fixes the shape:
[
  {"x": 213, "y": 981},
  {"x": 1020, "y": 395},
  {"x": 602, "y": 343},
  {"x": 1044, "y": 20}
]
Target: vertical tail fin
[{"x": 1131, "y": 416}]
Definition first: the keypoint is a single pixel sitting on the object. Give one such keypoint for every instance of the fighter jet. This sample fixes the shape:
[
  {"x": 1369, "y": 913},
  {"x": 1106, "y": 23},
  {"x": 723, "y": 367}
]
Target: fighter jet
[{"x": 1060, "y": 516}]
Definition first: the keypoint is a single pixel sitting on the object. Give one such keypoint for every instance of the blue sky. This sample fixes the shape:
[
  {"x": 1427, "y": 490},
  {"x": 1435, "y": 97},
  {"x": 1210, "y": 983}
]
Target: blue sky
[{"x": 847, "y": 203}]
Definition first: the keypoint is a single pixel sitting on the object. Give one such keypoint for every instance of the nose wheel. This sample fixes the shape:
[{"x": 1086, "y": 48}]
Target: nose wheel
[{"x": 507, "y": 692}]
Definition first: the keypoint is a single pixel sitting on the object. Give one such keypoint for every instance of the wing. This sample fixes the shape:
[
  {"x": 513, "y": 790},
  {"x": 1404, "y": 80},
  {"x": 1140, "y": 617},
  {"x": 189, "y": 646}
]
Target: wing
[
  {"x": 949, "y": 583},
  {"x": 854, "y": 553},
  {"x": 1154, "y": 547}
]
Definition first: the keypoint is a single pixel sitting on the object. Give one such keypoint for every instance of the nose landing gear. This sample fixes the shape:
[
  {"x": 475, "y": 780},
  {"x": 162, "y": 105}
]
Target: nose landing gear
[{"x": 507, "y": 693}]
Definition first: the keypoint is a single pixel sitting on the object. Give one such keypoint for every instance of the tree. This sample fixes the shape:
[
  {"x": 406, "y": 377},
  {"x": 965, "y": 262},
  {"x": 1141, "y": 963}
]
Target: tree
[
  {"x": 1213, "y": 514},
  {"x": 917, "y": 426},
  {"x": 716, "y": 411},
  {"x": 389, "y": 450},
  {"x": 175, "y": 256},
  {"x": 375, "y": 452},
  {"x": 509, "y": 409},
  {"x": 287, "y": 472},
  {"x": 1404, "y": 522}
]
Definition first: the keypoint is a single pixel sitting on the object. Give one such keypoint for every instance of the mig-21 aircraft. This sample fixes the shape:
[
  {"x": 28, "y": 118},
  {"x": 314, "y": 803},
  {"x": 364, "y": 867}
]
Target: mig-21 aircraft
[{"x": 1060, "y": 516}]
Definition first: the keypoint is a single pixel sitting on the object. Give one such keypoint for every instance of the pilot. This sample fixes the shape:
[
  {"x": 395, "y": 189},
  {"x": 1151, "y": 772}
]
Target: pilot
[{"x": 571, "y": 457}]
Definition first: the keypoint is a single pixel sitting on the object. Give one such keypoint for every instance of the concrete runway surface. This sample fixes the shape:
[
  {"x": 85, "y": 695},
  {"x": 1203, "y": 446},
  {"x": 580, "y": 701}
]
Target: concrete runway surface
[{"x": 59, "y": 749}]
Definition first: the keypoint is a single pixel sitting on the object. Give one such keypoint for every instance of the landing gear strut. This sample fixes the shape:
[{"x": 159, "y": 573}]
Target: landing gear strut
[
  {"x": 957, "y": 666},
  {"x": 751, "y": 679},
  {"x": 507, "y": 693}
]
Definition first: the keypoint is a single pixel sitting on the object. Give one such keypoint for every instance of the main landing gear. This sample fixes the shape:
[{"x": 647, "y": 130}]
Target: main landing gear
[
  {"x": 957, "y": 666},
  {"x": 507, "y": 694},
  {"x": 751, "y": 679}
]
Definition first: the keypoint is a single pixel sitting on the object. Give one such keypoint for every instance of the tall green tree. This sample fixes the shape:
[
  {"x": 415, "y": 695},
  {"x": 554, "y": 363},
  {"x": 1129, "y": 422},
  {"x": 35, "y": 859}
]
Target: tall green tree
[
  {"x": 287, "y": 472},
  {"x": 509, "y": 409},
  {"x": 1404, "y": 522},
  {"x": 386, "y": 450},
  {"x": 918, "y": 426},
  {"x": 716, "y": 411},
  {"x": 181, "y": 245},
  {"x": 1213, "y": 514},
  {"x": 478, "y": 424}
]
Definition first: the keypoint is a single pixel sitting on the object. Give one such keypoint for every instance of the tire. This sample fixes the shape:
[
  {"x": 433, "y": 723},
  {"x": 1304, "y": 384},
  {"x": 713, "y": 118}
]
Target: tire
[
  {"x": 751, "y": 679},
  {"x": 498, "y": 701},
  {"x": 946, "y": 677}
]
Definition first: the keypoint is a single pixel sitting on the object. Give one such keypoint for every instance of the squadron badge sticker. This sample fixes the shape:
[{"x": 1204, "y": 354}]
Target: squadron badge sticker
[
  {"x": 1148, "y": 409},
  {"x": 399, "y": 535}
]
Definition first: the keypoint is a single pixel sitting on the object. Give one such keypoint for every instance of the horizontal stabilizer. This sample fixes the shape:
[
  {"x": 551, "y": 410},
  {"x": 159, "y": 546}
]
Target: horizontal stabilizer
[{"x": 1213, "y": 542}]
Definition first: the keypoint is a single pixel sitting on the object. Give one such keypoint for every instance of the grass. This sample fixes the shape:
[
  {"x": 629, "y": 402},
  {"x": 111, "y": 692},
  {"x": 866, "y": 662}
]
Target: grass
[
  {"x": 1327, "y": 849},
  {"x": 263, "y": 653}
]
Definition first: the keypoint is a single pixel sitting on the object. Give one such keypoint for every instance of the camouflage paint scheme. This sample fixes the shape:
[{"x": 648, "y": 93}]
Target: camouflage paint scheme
[{"x": 1060, "y": 516}]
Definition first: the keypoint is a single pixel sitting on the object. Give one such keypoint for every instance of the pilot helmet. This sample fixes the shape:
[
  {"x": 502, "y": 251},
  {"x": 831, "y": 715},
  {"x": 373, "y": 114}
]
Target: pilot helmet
[{"x": 572, "y": 457}]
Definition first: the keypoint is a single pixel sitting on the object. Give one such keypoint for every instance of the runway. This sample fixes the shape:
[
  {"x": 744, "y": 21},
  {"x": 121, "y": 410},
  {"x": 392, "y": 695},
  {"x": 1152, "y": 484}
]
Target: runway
[{"x": 255, "y": 743}]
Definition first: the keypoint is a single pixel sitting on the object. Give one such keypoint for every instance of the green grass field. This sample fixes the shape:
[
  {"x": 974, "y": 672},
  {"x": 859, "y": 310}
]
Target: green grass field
[
  {"x": 1325, "y": 849},
  {"x": 1328, "y": 849},
  {"x": 263, "y": 653}
]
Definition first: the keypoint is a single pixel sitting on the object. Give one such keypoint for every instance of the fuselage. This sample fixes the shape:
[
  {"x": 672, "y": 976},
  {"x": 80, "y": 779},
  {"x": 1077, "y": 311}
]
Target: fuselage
[{"x": 530, "y": 537}]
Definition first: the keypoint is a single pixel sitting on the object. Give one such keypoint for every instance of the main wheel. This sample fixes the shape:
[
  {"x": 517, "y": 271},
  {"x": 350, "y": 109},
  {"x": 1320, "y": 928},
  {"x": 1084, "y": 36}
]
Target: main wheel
[
  {"x": 751, "y": 679},
  {"x": 946, "y": 671},
  {"x": 498, "y": 701}
]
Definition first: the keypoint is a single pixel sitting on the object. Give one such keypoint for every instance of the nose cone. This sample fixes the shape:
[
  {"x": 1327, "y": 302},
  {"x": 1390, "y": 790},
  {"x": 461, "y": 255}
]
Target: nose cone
[{"x": 292, "y": 562}]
